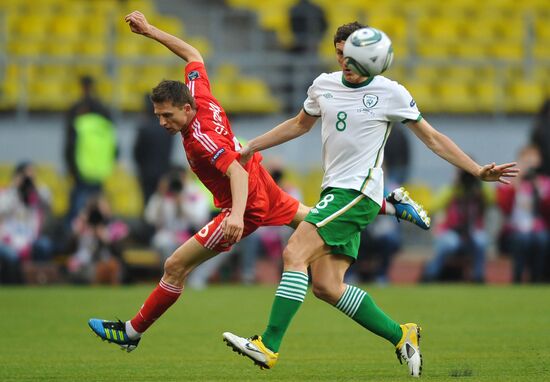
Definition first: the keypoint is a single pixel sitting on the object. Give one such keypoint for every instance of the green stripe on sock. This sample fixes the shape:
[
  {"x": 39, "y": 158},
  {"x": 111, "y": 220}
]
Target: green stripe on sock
[
  {"x": 293, "y": 281},
  {"x": 292, "y": 286},
  {"x": 288, "y": 299},
  {"x": 347, "y": 298},
  {"x": 292, "y": 296},
  {"x": 300, "y": 275},
  {"x": 355, "y": 301},
  {"x": 358, "y": 305}
]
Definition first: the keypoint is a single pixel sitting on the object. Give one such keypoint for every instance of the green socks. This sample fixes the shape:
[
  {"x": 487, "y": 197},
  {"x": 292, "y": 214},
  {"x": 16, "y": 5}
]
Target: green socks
[
  {"x": 288, "y": 299},
  {"x": 358, "y": 305},
  {"x": 355, "y": 303}
]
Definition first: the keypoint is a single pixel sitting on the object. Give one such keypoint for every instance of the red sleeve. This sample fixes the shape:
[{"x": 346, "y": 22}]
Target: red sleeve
[
  {"x": 196, "y": 78},
  {"x": 218, "y": 150},
  {"x": 223, "y": 158}
]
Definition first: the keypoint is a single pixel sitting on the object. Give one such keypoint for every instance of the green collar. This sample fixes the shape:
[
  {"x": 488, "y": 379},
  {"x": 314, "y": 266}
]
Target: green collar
[{"x": 359, "y": 85}]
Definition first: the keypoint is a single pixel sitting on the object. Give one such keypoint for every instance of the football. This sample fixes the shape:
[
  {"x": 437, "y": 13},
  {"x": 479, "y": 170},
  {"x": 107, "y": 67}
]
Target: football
[{"x": 368, "y": 52}]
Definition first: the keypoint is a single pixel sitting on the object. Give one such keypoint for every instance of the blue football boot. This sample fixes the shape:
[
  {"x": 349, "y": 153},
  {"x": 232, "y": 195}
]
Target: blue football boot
[
  {"x": 407, "y": 209},
  {"x": 113, "y": 332}
]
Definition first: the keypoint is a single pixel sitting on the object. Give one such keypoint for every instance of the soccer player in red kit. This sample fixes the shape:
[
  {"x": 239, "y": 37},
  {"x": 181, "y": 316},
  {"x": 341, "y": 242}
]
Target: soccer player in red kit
[{"x": 246, "y": 194}]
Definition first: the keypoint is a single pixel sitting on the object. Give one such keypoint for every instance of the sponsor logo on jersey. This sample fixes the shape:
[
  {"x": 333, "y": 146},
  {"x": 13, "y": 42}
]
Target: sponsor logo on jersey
[
  {"x": 193, "y": 75},
  {"x": 412, "y": 103},
  {"x": 328, "y": 95},
  {"x": 368, "y": 111},
  {"x": 314, "y": 210},
  {"x": 217, "y": 155},
  {"x": 370, "y": 100}
]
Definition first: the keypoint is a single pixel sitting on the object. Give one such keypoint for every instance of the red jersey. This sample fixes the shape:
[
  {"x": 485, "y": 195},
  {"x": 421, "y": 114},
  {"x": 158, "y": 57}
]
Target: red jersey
[{"x": 209, "y": 143}]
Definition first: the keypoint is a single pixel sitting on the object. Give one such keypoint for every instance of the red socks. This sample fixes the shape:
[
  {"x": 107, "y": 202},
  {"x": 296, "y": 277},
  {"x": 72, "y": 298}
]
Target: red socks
[{"x": 156, "y": 304}]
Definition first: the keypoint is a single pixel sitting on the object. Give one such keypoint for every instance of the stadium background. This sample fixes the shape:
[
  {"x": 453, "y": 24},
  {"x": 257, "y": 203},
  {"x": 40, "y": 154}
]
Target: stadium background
[{"x": 478, "y": 71}]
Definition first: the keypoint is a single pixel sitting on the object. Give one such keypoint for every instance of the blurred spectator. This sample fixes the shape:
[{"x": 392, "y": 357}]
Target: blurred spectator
[
  {"x": 308, "y": 25},
  {"x": 540, "y": 136},
  {"x": 176, "y": 210},
  {"x": 97, "y": 245},
  {"x": 397, "y": 156},
  {"x": 24, "y": 207},
  {"x": 90, "y": 147},
  {"x": 152, "y": 150},
  {"x": 460, "y": 230},
  {"x": 526, "y": 205}
]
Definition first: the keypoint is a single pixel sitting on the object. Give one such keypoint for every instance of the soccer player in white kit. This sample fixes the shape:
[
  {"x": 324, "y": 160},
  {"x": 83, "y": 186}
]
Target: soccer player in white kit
[{"x": 357, "y": 114}]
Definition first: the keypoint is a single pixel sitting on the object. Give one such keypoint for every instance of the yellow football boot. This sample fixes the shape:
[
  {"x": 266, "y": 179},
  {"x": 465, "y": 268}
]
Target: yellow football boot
[
  {"x": 408, "y": 349},
  {"x": 253, "y": 348}
]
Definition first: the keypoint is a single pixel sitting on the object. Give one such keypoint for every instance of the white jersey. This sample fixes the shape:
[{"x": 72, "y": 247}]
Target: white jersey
[{"x": 356, "y": 122}]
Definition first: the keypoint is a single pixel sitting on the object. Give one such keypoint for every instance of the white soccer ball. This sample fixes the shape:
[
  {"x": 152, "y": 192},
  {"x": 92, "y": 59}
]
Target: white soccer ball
[{"x": 368, "y": 52}]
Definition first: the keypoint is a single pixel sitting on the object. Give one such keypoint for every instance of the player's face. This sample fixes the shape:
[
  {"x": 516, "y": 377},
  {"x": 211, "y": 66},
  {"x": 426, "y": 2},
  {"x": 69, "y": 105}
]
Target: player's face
[
  {"x": 348, "y": 74},
  {"x": 173, "y": 118}
]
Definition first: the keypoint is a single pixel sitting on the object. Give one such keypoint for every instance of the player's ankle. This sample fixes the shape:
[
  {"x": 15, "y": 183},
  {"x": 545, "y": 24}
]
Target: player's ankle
[{"x": 131, "y": 332}]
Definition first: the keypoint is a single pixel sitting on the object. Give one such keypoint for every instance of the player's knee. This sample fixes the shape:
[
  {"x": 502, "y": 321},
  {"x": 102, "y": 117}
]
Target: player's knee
[
  {"x": 175, "y": 269},
  {"x": 293, "y": 259}
]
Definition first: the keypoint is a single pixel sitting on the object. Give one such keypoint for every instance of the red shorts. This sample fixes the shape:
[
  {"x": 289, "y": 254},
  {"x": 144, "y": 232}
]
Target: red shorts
[{"x": 267, "y": 205}]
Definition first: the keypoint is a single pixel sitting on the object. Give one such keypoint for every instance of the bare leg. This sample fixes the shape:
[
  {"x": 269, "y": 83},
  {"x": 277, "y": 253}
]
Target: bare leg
[
  {"x": 184, "y": 259},
  {"x": 328, "y": 284},
  {"x": 176, "y": 268},
  {"x": 304, "y": 247},
  {"x": 327, "y": 275}
]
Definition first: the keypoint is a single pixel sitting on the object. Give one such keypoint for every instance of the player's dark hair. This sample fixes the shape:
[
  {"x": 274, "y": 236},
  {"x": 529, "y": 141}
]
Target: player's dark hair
[
  {"x": 343, "y": 31},
  {"x": 172, "y": 91}
]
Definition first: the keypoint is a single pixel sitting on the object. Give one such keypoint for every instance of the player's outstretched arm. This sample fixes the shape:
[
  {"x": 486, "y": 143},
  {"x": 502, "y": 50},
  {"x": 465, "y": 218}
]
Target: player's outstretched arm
[
  {"x": 444, "y": 147},
  {"x": 286, "y": 131},
  {"x": 139, "y": 24}
]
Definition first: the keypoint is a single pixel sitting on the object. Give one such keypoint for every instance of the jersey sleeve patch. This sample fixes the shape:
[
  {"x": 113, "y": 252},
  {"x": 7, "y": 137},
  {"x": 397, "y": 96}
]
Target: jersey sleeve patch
[
  {"x": 193, "y": 75},
  {"x": 196, "y": 79},
  {"x": 223, "y": 158},
  {"x": 217, "y": 155}
]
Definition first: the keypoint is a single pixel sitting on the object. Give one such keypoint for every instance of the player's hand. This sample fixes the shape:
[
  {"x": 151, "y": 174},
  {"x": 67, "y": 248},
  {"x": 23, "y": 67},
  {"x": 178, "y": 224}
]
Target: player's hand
[
  {"x": 246, "y": 155},
  {"x": 138, "y": 23},
  {"x": 501, "y": 173},
  {"x": 232, "y": 227}
]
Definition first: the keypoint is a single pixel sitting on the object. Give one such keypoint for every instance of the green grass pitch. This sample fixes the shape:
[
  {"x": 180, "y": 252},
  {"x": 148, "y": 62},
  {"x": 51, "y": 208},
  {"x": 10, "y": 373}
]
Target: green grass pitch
[{"x": 470, "y": 333}]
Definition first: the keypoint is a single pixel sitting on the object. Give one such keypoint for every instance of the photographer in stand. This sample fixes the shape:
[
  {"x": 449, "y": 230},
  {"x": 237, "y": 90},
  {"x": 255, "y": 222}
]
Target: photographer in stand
[
  {"x": 460, "y": 227},
  {"x": 97, "y": 245},
  {"x": 24, "y": 208},
  {"x": 176, "y": 210},
  {"x": 526, "y": 206}
]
